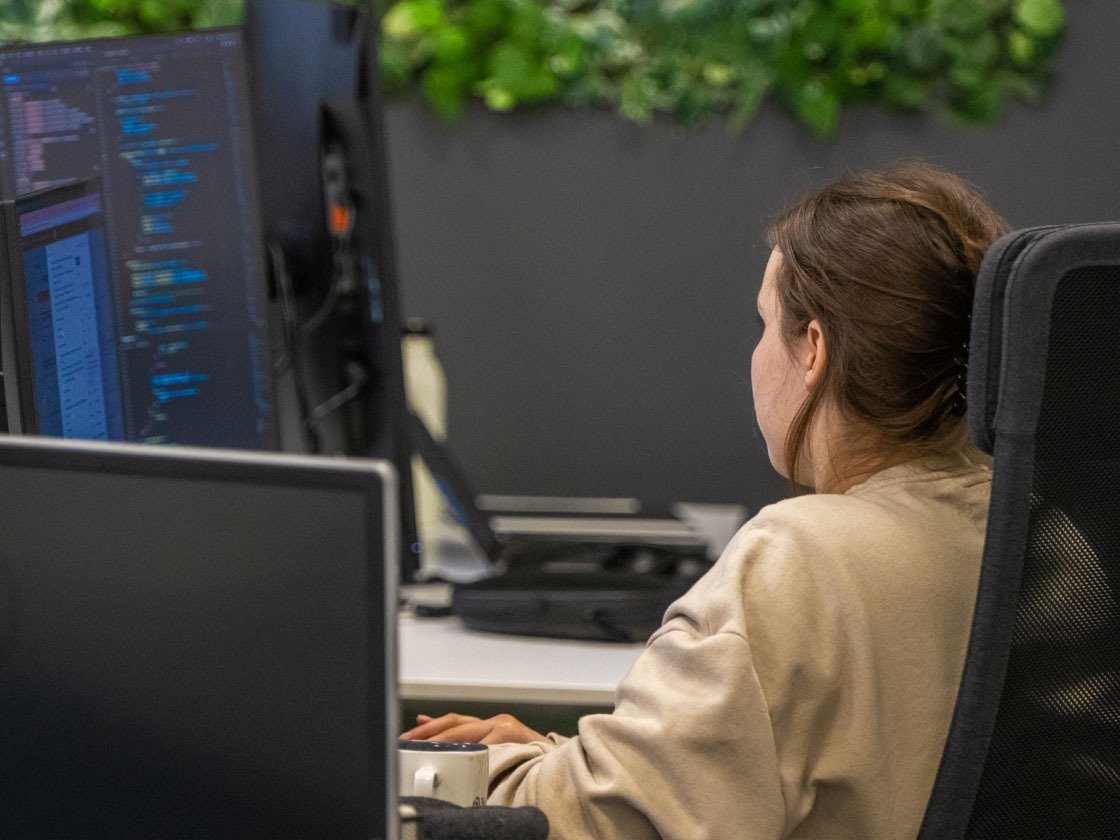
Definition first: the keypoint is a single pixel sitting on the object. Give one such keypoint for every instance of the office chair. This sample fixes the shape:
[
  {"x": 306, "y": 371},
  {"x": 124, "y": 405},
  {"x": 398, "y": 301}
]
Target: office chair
[{"x": 1034, "y": 746}]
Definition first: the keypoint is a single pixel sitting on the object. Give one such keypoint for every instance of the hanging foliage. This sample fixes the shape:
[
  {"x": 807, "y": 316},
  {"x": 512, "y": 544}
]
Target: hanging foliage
[
  {"x": 699, "y": 59},
  {"x": 692, "y": 60},
  {"x": 43, "y": 20}
]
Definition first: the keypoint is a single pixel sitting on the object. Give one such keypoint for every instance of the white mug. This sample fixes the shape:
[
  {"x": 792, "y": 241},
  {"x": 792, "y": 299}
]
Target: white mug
[{"x": 451, "y": 772}]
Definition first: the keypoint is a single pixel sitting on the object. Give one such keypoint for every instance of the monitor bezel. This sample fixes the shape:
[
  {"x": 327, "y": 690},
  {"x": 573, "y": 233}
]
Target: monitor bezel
[{"x": 375, "y": 479}]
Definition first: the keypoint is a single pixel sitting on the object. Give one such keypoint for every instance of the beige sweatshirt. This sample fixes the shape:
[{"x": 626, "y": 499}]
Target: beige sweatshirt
[{"x": 803, "y": 688}]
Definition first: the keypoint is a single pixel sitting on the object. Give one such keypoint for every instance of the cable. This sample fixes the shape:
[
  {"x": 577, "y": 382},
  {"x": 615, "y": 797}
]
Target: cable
[
  {"x": 291, "y": 339},
  {"x": 358, "y": 379},
  {"x": 340, "y": 224}
]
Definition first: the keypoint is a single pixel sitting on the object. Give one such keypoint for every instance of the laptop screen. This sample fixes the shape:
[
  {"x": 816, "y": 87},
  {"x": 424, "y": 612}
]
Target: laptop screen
[{"x": 195, "y": 643}]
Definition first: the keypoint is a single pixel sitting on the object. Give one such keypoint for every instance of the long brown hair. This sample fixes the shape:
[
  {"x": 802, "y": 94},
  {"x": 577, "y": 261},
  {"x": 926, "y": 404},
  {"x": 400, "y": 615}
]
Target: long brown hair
[{"x": 886, "y": 261}]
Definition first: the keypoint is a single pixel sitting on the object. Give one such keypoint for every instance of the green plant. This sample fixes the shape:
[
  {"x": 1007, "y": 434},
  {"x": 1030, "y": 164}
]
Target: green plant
[
  {"x": 693, "y": 60},
  {"x": 698, "y": 59},
  {"x": 41, "y": 20}
]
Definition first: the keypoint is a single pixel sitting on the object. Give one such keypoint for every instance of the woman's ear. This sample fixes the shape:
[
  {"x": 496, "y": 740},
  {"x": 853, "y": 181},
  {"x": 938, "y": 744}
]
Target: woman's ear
[{"x": 814, "y": 356}]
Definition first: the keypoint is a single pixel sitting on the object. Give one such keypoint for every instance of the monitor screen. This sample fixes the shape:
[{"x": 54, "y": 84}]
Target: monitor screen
[
  {"x": 171, "y": 301},
  {"x": 60, "y": 355},
  {"x": 195, "y": 643}
]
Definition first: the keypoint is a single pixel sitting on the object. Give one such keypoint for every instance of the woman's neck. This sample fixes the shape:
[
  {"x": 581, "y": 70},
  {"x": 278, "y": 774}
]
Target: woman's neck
[
  {"x": 853, "y": 456},
  {"x": 842, "y": 480}
]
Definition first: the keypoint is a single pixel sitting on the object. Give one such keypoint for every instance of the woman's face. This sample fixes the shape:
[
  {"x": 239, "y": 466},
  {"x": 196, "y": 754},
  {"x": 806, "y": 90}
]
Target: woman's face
[{"x": 776, "y": 380}]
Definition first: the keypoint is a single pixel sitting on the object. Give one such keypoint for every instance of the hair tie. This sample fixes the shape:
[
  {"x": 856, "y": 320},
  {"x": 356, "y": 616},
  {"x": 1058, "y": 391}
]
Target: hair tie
[{"x": 959, "y": 400}]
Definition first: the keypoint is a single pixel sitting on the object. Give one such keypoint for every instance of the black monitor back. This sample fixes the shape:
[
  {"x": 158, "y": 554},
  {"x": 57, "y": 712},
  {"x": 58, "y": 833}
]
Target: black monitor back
[
  {"x": 195, "y": 643},
  {"x": 318, "y": 120},
  {"x": 301, "y": 53}
]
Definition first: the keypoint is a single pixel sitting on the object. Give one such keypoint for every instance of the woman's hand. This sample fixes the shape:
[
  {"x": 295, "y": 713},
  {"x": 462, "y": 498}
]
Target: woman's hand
[{"x": 464, "y": 729}]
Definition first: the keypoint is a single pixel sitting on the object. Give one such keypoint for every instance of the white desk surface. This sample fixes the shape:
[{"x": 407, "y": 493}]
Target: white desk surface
[{"x": 440, "y": 659}]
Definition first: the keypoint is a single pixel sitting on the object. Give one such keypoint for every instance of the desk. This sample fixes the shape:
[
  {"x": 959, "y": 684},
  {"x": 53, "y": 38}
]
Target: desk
[{"x": 442, "y": 660}]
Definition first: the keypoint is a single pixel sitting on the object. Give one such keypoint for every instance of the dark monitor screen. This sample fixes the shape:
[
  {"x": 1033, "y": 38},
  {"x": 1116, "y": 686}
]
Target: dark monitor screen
[
  {"x": 195, "y": 643},
  {"x": 175, "y": 283}
]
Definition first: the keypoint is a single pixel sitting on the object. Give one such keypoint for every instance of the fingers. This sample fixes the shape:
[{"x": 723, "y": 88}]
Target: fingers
[
  {"x": 427, "y": 727},
  {"x": 472, "y": 731},
  {"x": 464, "y": 729}
]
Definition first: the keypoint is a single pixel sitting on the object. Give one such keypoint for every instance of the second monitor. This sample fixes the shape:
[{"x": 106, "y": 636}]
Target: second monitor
[{"x": 133, "y": 242}]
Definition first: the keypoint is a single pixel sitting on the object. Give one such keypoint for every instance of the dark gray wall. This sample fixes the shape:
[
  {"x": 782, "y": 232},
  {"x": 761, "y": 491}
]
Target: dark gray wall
[{"x": 592, "y": 282}]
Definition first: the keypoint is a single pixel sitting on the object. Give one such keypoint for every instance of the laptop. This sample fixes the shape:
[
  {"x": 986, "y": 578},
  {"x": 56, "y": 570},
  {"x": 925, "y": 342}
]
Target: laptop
[
  {"x": 196, "y": 643},
  {"x": 528, "y": 525},
  {"x": 602, "y": 577}
]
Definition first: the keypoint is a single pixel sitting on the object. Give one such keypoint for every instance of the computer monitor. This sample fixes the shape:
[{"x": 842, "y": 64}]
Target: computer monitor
[
  {"x": 301, "y": 53},
  {"x": 317, "y": 112},
  {"x": 57, "y": 339},
  {"x": 195, "y": 643},
  {"x": 160, "y": 125}
]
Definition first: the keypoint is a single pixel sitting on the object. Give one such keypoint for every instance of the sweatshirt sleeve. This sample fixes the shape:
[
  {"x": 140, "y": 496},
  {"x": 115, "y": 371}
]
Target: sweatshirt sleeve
[{"x": 688, "y": 750}]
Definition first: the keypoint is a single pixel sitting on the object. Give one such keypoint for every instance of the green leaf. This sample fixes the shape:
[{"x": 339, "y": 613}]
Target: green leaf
[
  {"x": 499, "y": 98},
  {"x": 444, "y": 89},
  {"x": 921, "y": 49},
  {"x": 819, "y": 107},
  {"x": 1021, "y": 48},
  {"x": 1044, "y": 18},
  {"x": 750, "y": 96},
  {"x": 515, "y": 72},
  {"x": 394, "y": 67},
  {"x": 874, "y": 32},
  {"x": 852, "y": 8},
  {"x": 977, "y": 103},
  {"x": 905, "y": 8},
  {"x": 451, "y": 44},
  {"x": 638, "y": 97},
  {"x": 961, "y": 17},
  {"x": 410, "y": 18},
  {"x": 569, "y": 56},
  {"x": 485, "y": 17},
  {"x": 718, "y": 74},
  {"x": 905, "y": 93}
]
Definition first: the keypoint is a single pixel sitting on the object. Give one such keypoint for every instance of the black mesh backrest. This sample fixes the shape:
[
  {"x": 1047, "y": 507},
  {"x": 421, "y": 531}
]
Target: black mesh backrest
[
  {"x": 1035, "y": 741},
  {"x": 1053, "y": 767}
]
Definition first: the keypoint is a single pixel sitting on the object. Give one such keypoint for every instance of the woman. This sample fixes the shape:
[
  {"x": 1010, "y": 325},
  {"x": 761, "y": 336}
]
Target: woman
[{"x": 803, "y": 688}]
